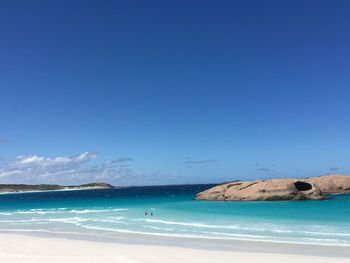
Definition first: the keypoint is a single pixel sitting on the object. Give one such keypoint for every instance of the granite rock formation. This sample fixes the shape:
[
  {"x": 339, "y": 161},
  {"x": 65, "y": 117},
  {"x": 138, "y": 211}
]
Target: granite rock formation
[
  {"x": 332, "y": 184},
  {"x": 269, "y": 190}
]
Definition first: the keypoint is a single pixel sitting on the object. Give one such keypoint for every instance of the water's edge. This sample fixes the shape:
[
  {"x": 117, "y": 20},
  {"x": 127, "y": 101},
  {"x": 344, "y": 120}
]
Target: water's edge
[{"x": 196, "y": 243}]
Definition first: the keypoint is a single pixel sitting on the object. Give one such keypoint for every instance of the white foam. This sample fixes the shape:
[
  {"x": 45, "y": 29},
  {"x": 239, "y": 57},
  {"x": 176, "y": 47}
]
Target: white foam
[
  {"x": 190, "y": 224},
  {"x": 331, "y": 242},
  {"x": 61, "y": 211},
  {"x": 159, "y": 228}
]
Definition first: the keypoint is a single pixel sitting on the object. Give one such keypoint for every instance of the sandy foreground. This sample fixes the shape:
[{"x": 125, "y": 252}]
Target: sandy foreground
[{"x": 25, "y": 248}]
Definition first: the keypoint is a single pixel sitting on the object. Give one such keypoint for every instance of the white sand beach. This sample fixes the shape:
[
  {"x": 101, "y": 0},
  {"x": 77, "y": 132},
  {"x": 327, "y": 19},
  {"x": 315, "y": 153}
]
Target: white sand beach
[{"x": 15, "y": 248}]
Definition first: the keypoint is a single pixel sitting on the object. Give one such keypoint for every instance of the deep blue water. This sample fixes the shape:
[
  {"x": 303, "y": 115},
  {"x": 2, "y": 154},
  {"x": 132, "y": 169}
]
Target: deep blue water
[{"x": 176, "y": 213}]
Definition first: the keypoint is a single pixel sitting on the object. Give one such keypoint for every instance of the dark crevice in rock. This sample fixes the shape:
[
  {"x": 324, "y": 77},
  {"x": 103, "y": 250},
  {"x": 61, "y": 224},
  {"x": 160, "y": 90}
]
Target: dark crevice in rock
[
  {"x": 234, "y": 184},
  {"x": 302, "y": 186},
  {"x": 248, "y": 185}
]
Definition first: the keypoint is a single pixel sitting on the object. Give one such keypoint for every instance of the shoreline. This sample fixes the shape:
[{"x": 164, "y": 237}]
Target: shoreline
[
  {"x": 111, "y": 234},
  {"x": 16, "y": 247},
  {"x": 218, "y": 245}
]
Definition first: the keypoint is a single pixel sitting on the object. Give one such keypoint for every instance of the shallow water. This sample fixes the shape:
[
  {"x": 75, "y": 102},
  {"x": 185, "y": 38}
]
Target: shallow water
[{"x": 176, "y": 213}]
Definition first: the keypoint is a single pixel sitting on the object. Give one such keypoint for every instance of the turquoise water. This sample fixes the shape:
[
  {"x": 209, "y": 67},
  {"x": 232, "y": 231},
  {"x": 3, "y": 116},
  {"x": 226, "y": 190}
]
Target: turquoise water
[{"x": 175, "y": 213}]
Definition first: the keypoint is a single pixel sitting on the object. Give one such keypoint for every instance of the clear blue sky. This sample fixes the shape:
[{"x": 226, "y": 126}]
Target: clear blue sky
[{"x": 157, "y": 92}]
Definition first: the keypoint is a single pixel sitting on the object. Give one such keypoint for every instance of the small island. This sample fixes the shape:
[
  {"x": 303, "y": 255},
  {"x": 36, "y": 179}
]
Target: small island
[
  {"x": 315, "y": 188},
  {"x": 21, "y": 188}
]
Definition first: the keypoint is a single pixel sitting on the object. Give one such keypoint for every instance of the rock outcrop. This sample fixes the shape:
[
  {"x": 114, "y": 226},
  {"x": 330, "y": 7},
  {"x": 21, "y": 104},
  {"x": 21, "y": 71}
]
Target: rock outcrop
[
  {"x": 332, "y": 184},
  {"x": 279, "y": 189}
]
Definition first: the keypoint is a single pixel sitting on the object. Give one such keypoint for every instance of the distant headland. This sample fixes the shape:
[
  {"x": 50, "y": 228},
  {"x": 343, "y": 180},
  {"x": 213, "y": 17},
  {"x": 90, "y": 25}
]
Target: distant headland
[
  {"x": 20, "y": 188},
  {"x": 315, "y": 188}
]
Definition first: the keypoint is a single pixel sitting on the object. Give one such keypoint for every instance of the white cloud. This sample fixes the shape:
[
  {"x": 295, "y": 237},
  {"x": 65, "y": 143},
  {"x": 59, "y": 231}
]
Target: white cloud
[
  {"x": 192, "y": 163},
  {"x": 75, "y": 169},
  {"x": 37, "y": 161}
]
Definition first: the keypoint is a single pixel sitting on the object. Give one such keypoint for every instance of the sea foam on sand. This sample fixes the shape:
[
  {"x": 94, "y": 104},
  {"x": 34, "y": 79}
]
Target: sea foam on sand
[{"x": 17, "y": 248}]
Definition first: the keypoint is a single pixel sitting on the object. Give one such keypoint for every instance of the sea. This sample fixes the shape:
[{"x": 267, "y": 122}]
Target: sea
[{"x": 172, "y": 211}]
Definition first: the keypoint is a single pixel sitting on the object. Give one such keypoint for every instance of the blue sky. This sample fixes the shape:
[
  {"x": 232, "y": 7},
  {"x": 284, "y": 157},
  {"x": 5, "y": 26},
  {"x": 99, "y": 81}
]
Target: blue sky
[{"x": 158, "y": 92}]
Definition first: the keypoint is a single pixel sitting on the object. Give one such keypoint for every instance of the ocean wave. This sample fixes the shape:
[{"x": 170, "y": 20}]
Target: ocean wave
[
  {"x": 159, "y": 228},
  {"x": 23, "y": 221},
  {"x": 174, "y": 232},
  {"x": 116, "y": 220},
  {"x": 328, "y": 242},
  {"x": 308, "y": 232},
  {"x": 112, "y": 221},
  {"x": 198, "y": 225},
  {"x": 78, "y": 220},
  {"x": 86, "y": 211},
  {"x": 5, "y": 213},
  {"x": 61, "y": 211},
  {"x": 269, "y": 230}
]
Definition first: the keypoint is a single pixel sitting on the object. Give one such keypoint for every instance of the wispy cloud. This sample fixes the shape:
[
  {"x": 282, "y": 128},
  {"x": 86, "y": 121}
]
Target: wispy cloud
[
  {"x": 265, "y": 169},
  {"x": 4, "y": 140},
  {"x": 334, "y": 169},
  {"x": 75, "y": 169},
  {"x": 190, "y": 163}
]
